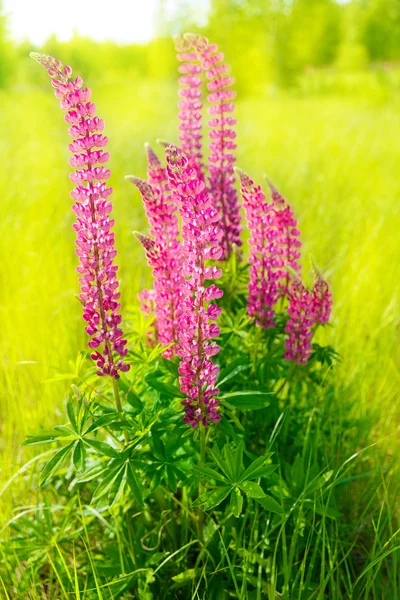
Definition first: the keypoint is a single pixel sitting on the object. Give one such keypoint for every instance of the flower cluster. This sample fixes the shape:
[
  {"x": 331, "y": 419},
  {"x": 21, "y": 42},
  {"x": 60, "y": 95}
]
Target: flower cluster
[
  {"x": 94, "y": 238},
  {"x": 165, "y": 257},
  {"x": 289, "y": 245},
  {"x": 305, "y": 309},
  {"x": 190, "y": 106},
  {"x": 264, "y": 260},
  {"x": 201, "y": 241},
  {"x": 197, "y": 56}
]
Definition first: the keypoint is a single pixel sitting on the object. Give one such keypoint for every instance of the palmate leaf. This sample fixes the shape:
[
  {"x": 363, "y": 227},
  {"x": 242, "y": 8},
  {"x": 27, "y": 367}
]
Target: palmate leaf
[
  {"x": 55, "y": 463},
  {"x": 258, "y": 468},
  {"x": 205, "y": 473},
  {"x": 79, "y": 456},
  {"x": 134, "y": 483},
  {"x": 169, "y": 390}
]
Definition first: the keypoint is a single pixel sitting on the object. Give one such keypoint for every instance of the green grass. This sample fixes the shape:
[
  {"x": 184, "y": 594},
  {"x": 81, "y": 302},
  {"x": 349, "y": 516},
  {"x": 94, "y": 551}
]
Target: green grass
[{"x": 335, "y": 157}]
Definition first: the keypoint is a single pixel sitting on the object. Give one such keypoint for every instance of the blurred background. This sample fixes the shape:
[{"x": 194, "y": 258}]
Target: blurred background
[{"x": 318, "y": 85}]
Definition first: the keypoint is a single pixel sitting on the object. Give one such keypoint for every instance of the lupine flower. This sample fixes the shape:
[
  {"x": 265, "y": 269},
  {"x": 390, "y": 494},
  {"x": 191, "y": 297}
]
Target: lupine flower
[
  {"x": 163, "y": 254},
  {"x": 201, "y": 235},
  {"x": 322, "y": 300},
  {"x": 264, "y": 260},
  {"x": 289, "y": 244},
  {"x": 299, "y": 326},
  {"x": 190, "y": 106},
  {"x": 222, "y": 136},
  {"x": 94, "y": 239},
  {"x": 156, "y": 173}
]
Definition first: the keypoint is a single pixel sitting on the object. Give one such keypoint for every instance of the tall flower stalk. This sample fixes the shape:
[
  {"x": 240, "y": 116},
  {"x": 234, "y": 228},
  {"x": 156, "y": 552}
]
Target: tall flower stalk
[
  {"x": 264, "y": 260},
  {"x": 201, "y": 235},
  {"x": 94, "y": 238},
  {"x": 190, "y": 105},
  {"x": 164, "y": 255},
  {"x": 222, "y": 135}
]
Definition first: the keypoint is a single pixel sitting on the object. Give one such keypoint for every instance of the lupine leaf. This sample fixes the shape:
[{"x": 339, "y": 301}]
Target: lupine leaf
[
  {"x": 252, "y": 489},
  {"x": 248, "y": 400},
  {"x": 103, "y": 421},
  {"x": 171, "y": 477},
  {"x": 205, "y": 473},
  {"x": 270, "y": 504},
  {"x": 71, "y": 413},
  {"x": 221, "y": 463},
  {"x": 102, "y": 447},
  {"x": 134, "y": 484},
  {"x": 236, "y": 502},
  {"x": 53, "y": 464},
  {"x": 109, "y": 477},
  {"x": 217, "y": 497},
  {"x": 252, "y": 471},
  {"x": 157, "y": 447},
  {"x": 167, "y": 389},
  {"x": 233, "y": 369},
  {"x": 46, "y": 437}
]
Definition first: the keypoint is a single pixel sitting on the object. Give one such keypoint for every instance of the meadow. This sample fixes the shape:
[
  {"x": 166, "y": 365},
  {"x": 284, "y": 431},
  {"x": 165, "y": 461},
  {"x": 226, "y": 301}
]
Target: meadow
[{"x": 332, "y": 151}]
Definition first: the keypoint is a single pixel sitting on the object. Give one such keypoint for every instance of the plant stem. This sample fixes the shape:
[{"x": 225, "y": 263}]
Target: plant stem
[
  {"x": 119, "y": 405},
  {"x": 201, "y": 485}
]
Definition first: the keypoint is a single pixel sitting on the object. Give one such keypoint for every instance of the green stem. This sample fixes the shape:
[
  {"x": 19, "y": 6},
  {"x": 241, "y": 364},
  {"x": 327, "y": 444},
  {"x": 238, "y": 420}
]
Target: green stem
[
  {"x": 201, "y": 485},
  {"x": 119, "y": 405}
]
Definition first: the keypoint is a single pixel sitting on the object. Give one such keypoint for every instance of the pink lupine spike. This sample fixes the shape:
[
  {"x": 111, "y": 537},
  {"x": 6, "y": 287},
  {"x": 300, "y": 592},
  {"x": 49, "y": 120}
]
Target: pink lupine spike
[
  {"x": 95, "y": 241},
  {"x": 190, "y": 105},
  {"x": 289, "y": 243},
  {"x": 222, "y": 136},
  {"x": 201, "y": 235},
  {"x": 156, "y": 173},
  {"x": 301, "y": 320},
  {"x": 321, "y": 299},
  {"x": 264, "y": 258},
  {"x": 164, "y": 255}
]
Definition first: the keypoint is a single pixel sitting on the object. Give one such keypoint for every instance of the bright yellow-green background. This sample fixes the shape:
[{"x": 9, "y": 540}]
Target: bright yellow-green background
[{"x": 328, "y": 137}]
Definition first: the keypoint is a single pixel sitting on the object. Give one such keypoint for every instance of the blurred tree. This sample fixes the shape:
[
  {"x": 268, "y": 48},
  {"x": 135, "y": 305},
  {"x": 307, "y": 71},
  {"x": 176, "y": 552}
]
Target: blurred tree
[{"x": 380, "y": 29}]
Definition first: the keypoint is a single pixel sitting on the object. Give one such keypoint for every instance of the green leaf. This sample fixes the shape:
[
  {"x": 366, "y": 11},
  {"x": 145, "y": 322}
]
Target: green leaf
[
  {"x": 248, "y": 400},
  {"x": 187, "y": 575},
  {"x": 221, "y": 463},
  {"x": 54, "y": 463},
  {"x": 46, "y": 437},
  {"x": 157, "y": 446},
  {"x": 270, "y": 504},
  {"x": 103, "y": 421},
  {"x": 134, "y": 484},
  {"x": 71, "y": 413},
  {"x": 79, "y": 456},
  {"x": 205, "y": 473},
  {"x": 252, "y": 489},
  {"x": 169, "y": 390},
  {"x": 233, "y": 369},
  {"x": 109, "y": 476},
  {"x": 171, "y": 478},
  {"x": 101, "y": 447},
  {"x": 134, "y": 401},
  {"x": 258, "y": 466},
  {"x": 236, "y": 502},
  {"x": 217, "y": 497}
]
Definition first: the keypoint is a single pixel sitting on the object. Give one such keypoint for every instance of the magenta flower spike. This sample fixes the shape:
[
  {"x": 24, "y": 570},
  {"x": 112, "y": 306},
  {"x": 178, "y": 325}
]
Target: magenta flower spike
[
  {"x": 222, "y": 136},
  {"x": 164, "y": 255},
  {"x": 264, "y": 260},
  {"x": 289, "y": 244},
  {"x": 301, "y": 313},
  {"x": 156, "y": 173},
  {"x": 94, "y": 239},
  {"x": 322, "y": 300},
  {"x": 201, "y": 235},
  {"x": 190, "y": 106}
]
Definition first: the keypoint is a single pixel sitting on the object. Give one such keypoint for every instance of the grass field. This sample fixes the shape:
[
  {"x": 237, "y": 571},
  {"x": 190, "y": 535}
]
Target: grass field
[{"x": 334, "y": 156}]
